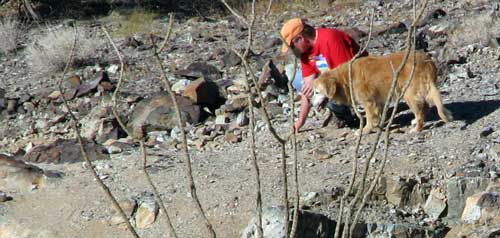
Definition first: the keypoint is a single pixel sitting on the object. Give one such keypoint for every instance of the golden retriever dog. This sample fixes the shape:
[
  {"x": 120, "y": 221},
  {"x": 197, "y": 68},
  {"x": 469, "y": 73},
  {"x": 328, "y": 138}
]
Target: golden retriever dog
[{"x": 372, "y": 77}]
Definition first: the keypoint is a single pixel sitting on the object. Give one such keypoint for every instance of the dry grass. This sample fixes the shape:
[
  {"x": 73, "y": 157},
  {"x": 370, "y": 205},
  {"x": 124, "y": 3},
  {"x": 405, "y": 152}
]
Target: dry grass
[
  {"x": 475, "y": 29},
  {"x": 49, "y": 53},
  {"x": 10, "y": 31},
  {"x": 129, "y": 23}
]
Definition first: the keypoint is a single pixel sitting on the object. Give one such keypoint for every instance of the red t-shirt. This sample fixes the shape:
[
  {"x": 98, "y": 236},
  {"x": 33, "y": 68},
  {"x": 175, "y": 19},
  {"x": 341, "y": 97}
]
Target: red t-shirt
[{"x": 336, "y": 47}]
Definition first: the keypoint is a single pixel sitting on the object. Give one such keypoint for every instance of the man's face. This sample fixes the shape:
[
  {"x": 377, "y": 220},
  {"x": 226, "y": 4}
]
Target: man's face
[{"x": 299, "y": 45}]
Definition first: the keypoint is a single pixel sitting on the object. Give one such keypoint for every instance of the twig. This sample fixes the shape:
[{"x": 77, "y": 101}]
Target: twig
[
  {"x": 411, "y": 35},
  {"x": 241, "y": 18},
  {"x": 293, "y": 134},
  {"x": 181, "y": 124},
  {"x": 268, "y": 10},
  {"x": 361, "y": 125},
  {"x": 76, "y": 122},
  {"x": 277, "y": 137},
  {"x": 382, "y": 121},
  {"x": 258, "y": 198},
  {"x": 158, "y": 198}
]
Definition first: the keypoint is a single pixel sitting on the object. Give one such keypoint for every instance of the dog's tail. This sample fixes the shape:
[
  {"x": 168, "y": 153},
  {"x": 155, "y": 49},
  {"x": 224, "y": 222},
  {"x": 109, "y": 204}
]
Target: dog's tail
[{"x": 435, "y": 98}]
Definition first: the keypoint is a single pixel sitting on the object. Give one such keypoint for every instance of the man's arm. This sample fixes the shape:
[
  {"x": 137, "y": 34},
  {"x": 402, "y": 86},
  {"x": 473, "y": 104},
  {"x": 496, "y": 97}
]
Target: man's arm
[{"x": 305, "y": 104}]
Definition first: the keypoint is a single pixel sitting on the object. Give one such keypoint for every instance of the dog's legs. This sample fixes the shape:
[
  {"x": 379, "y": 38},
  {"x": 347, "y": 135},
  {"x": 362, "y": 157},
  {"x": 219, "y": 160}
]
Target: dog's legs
[
  {"x": 372, "y": 116},
  {"x": 419, "y": 109}
]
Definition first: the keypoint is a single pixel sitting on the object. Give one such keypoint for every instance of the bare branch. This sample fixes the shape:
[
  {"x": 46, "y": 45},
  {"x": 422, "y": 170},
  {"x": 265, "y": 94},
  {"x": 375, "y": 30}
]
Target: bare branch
[
  {"x": 76, "y": 122},
  {"x": 241, "y": 18},
  {"x": 384, "y": 115},
  {"x": 268, "y": 11},
  {"x": 361, "y": 125},
  {"x": 158, "y": 198},
  {"x": 181, "y": 124},
  {"x": 293, "y": 134}
]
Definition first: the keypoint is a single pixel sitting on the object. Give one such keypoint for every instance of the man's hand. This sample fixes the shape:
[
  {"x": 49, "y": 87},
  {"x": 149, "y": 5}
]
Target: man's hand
[{"x": 307, "y": 87}]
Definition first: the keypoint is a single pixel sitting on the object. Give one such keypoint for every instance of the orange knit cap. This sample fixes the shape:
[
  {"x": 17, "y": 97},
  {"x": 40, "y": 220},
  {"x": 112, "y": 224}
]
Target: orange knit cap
[{"x": 290, "y": 30}]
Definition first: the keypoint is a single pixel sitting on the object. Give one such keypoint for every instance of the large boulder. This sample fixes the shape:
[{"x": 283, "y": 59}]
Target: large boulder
[
  {"x": 481, "y": 206},
  {"x": 198, "y": 70},
  {"x": 158, "y": 113},
  {"x": 310, "y": 224},
  {"x": 20, "y": 176},
  {"x": 64, "y": 151},
  {"x": 458, "y": 190}
]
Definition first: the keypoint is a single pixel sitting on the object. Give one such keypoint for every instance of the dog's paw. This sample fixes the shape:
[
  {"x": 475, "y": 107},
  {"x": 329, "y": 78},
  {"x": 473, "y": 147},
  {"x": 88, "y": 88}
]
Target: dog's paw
[
  {"x": 414, "y": 122},
  {"x": 415, "y": 130}
]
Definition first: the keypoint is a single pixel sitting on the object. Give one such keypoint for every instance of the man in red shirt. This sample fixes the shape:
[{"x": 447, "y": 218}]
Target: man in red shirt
[{"x": 318, "y": 49}]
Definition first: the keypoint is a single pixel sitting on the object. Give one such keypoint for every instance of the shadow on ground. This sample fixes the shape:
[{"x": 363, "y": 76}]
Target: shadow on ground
[{"x": 469, "y": 112}]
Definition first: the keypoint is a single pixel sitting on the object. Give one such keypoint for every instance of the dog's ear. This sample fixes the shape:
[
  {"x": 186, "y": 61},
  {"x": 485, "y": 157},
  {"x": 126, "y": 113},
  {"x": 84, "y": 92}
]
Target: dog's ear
[
  {"x": 326, "y": 83},
  {"x": 331, "y": 87}
]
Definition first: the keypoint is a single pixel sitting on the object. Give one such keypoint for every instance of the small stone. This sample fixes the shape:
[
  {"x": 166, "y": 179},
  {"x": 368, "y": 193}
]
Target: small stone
[
  {"x": 486, "y": 131},
  {"x": 230, "y": 59},
  {"x": 75, "y": 80},
  {"x": 146, "y": 213},
  {"x": 232, "y": 138},
  {"x": 321, "y": 154},
  {"x": 128, "y": 206},
  {"x": 242, "y": 119},
  {"x": 54, "y": 95},
  {"x": 3, "y": 197},
  {"x": 113, "y": 69},
  {"x": 180, "y": 85},
  {"x": 113, "y": 149},
  {"x": 221, "y": 120}
]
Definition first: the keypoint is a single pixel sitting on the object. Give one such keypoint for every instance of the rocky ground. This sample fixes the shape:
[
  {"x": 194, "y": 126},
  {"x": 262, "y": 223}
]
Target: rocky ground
[{"x": 48, "y": 191}]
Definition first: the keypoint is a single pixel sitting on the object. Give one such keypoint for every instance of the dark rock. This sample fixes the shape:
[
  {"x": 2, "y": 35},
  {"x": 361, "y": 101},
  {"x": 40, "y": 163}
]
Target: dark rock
[
  {"x": 433, "y": 14},
  {"x": 158, "y": 113},
  {"x": 486, "y": 131},
  {"x": 272, "y": 75},
  {"x": 198, "y": 70},
  {"x": 230, "y": 59},
  {"x": 89, "y": 87},
  {"x": 3, "y": 103},
  {"x": 396, "y": 28},
  {"x": 272, "y": 42},
  {"x": 64, "y": 151},
  {"x": 132, "y": 42},
  {"x": 4, "y": 197},
  {"x": 355, "y": 33},
  {"x": 202, "y": 92}
]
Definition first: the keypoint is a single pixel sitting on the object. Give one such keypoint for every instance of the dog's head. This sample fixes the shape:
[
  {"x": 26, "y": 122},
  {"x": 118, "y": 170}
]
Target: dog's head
[{"x": 324, "y": 88}]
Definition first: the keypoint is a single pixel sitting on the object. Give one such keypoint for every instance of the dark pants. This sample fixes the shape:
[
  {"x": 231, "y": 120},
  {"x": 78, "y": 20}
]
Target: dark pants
[{"x": 343, "y": 113}]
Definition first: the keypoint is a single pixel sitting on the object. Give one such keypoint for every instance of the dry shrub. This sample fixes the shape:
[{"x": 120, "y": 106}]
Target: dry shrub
[
  {"x": 10, "y": 31},
  {"x": 50, "y": 52},
  {"x": 137, "y": 21},
  {"x": 476, "y": 29}
]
